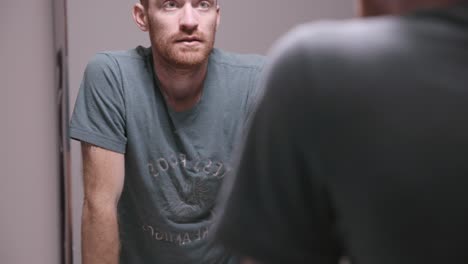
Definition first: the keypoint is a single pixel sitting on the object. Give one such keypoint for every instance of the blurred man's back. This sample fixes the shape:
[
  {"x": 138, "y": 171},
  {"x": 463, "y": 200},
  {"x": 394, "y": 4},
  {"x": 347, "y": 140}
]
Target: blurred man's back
[
  {"x": 394, "y": 136},
  {"x": 361, "y": 143}
]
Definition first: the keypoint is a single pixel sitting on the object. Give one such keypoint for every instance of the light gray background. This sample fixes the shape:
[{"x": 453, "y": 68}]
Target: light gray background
[
  {"x": 29, "y": 188},
  {"x": 29, "y": 192},
  {"x": 246, "y": 26}
]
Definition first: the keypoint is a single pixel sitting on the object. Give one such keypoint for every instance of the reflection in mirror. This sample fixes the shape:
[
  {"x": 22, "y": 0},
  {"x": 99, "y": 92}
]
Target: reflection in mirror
[{"x": 159, "y": 147}]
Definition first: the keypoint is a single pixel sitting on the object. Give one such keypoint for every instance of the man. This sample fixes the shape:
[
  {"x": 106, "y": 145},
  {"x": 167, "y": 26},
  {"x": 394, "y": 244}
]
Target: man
[
  {"x": 157, "y": 127},
  {"x": 360, "y": 145}
]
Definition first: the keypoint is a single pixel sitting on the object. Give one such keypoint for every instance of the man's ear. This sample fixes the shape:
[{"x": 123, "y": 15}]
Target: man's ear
[
  {"x": 140, "y": 16},
  {"x": 218, "y": 16}
]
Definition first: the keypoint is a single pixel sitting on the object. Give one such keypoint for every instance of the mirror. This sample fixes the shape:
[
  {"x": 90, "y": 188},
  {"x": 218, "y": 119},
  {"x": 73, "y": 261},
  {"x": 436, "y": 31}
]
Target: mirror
[{"x": 246, "y": 27}]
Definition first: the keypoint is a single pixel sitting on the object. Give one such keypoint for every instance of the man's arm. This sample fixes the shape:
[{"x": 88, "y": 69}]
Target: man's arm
[{"x": 103, "y": 174}]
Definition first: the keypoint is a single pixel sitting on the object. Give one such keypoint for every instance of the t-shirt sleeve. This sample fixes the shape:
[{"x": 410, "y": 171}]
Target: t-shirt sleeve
[
  {"x": 274, "y": 208},
  {"x": 99, "y": 114}
]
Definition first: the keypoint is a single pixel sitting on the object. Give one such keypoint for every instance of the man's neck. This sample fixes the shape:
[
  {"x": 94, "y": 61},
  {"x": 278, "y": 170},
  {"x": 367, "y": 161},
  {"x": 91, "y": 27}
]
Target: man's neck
[
  {"x": 410, "y": 6},
  {"x": 182, "y": 88},
  {"x": 398, "y": 7}
]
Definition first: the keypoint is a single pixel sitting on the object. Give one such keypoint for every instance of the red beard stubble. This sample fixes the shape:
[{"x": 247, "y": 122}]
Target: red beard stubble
[{"x": 174, "y": 53}]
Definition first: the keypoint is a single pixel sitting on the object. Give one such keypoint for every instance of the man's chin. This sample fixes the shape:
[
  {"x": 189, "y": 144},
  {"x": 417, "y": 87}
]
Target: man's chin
[{"x": 190, "y": 58}]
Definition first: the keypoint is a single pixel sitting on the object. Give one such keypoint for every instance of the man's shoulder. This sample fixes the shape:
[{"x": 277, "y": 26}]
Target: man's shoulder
[
  {"x": 332, "y": 39},
  {"x": 326, "y": 56},
  {"x": 130, "y": 62},
  {"x": 237, "y": 60},
  {"x": 112, "y": 57}
]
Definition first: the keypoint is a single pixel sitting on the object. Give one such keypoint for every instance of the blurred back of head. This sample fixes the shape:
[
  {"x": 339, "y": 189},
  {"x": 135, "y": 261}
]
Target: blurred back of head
[{"x": 395, "y": 7}]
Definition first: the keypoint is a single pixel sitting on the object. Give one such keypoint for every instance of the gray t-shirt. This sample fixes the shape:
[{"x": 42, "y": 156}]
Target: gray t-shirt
[
  {"x": 174, "y": 161},
  {"x": 365, "y": 153}
]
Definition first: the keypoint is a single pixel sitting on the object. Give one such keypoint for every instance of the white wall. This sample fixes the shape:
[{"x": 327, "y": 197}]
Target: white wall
[
  {"x": 246, "y": 26},
  {"x": 253, "y": 25},
  {"x": 29, "y": 188}
]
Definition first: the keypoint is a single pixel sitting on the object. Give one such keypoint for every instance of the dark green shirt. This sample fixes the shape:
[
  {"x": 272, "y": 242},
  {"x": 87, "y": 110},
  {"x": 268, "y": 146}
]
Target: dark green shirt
[{"x": 360, "y": 146}]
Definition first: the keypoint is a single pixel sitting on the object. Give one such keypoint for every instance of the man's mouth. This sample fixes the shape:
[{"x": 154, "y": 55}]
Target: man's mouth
[{"x": 189, "y": 40}]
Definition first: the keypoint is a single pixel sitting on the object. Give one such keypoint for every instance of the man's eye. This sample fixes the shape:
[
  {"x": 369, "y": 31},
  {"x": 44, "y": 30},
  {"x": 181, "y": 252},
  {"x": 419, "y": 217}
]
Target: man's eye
[
  {"x": 170, "y": 5},
  {"x": 204, "y": 5}
]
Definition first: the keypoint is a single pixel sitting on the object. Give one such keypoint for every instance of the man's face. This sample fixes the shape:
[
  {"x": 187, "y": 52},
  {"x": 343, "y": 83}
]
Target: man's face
[{"x": 183, "y": 32}]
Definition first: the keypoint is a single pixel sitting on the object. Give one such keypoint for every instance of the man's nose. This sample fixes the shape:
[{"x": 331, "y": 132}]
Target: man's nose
[{"x": 189, "y": 19}]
